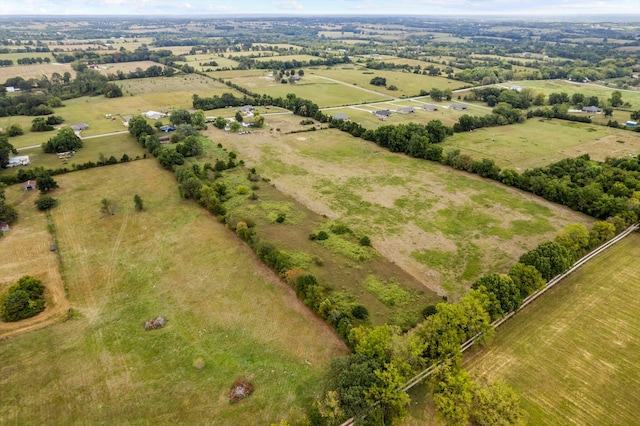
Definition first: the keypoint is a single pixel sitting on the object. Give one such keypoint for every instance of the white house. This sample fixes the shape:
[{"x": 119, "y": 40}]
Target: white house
[
  {"x": 20, "y": 160},
  {"x": 154, "y": 115}
]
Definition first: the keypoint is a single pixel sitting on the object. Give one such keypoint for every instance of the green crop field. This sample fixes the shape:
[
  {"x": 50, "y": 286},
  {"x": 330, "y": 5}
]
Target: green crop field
[
  {"x": 228, "y": 316},
  {"x": 408, "y": 84},
  {"x": 573, "y": 354},
  {"x": 323, "y": 92},
  {"x": 444, "y": 227},
  {"x": 539, "y": 142}
]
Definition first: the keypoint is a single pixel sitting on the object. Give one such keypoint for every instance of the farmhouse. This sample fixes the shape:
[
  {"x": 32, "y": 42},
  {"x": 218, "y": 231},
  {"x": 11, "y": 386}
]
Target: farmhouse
[
  {"x": 591, "y": 109},
  {"x": 11, "y": 89},
  {"x": 382, "y": 114},
  {"x": 79, "y": 127},
  {"x": 458, "y": 107},
  {"x": 4, "y": 226},
  {"x": 247, "y": 109},
  {"x": 429, "y": 107},
  {"x": 406, "y": 110},
  {"x": 29, "y": 185},
  {"x": 154, "y": 115},
  {"x": 20, "y": 160},
  {"x": 341, "y": 117}
]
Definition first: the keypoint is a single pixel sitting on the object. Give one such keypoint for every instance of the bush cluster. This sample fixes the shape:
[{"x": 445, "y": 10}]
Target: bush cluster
[{"x": 23, "y": 300}]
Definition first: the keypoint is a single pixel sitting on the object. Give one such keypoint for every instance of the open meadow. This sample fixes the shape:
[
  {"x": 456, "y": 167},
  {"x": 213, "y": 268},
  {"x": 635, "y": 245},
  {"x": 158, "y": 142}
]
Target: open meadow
[
  {"x": 35, "y": 71},
  {"x": 325, "y": 93},
  {"x": 539, "y": 142},
  {"x": 228, "y": 315},
  {"x": 572, "y": 354},
  {"x": 408, "y": 84},
  {"x": 444, "y": 227}
]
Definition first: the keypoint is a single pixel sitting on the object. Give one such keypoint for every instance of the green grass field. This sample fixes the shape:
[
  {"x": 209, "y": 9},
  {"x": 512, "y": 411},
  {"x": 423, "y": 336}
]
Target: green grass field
[
  {"x": 174, "y": 260},
  {"x": 572, "y": 355},
  {"x": 15, "y": 56},
  {"x": 444, "y": 227},
  {"x": 323, "y": 92},
  {"x": 539, "y": 142},
  {"x": 408, "y": 84}
]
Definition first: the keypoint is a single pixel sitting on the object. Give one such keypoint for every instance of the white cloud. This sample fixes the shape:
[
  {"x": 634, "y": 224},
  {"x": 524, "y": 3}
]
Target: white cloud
[{"x": 287, "y": 4}]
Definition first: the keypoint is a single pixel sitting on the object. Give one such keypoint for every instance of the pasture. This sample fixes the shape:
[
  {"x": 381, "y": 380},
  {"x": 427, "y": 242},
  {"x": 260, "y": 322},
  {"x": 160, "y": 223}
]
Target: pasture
[
  {"x": 196, "y": 61},
  {"x": 539, "y": 142},
  {"x": 408, "y": 84},
  {"x": 444, "y": 227},
  {"x": 15, "y": 56},
  {"x": 572, "y": 354},
  {"x": 323, "y": 92},
  {"x": 35, "y": 71},
  {"x": 228, "y": 316},
  {"x": 125, "y": 67}
]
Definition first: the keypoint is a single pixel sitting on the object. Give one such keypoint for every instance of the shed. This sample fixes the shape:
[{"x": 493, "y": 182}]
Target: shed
[
  {"x": 458, "y": 106},
  {"x": 383, "y": 113},
  {"x": 164, "y": 139},
  {"x": 631, "y": 123},
  {"x": 429, "y": 107},
  {"x": 29, "y": 185},
  {"x": 4, "y": 227},
  {"x": 341, "y": 117},
  {"x": 592, "y": 109}
]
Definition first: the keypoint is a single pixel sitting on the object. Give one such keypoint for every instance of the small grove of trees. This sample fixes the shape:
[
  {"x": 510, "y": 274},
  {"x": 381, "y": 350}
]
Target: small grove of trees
[
  {"x": 8, "y": 213},
  {"x": 23, "y": 299},
  {"x": 6, "y": 149},
  {"x": 45, "y": 202},
  {"x": 46, "y": 183},
  {"x": 378, "y": 81},
  {"x": 65, "y": 140}
]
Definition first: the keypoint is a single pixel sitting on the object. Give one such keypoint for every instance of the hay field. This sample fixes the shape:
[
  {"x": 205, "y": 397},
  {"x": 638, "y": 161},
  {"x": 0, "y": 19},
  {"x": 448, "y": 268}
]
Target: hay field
[
  {"x": 444, "y": 227},
  {"x": 573, "y": 354},
  {"x": 25, "y": 251},
  {"x": 539, "y": 142},
  {"x": 35, "y": 71},
  {"x": 408, "y": 84},
  {"x": 323, "y": 92},
  {"x": 175, "y": 260}
]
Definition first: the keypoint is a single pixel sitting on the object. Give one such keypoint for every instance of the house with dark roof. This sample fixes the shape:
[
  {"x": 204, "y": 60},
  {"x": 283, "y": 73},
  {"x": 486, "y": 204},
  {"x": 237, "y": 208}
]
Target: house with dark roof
[
  {"x": 429, "y": 107},
  {"x": 167, "y": 129},
  {"x": 29, "y": 185},
  {"x": 406, "y": 110},
  {"x": 341, "y": 117},
  {"x": 79, "y": 127},
  {"x": 382, "y": 113},
  {"x": 247, "y": 109},
  {"x": 459, "y": 107},
  {"x": 592, "y": 109}
]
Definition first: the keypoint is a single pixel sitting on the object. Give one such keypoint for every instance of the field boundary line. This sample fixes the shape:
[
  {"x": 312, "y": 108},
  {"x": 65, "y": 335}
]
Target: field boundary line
[{"x": 555, "y": 280}]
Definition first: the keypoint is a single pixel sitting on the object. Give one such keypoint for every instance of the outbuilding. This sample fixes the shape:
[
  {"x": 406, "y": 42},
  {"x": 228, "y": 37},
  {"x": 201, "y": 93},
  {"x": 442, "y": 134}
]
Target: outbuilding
[
  {"x": 406, "y": 110},
  {"x": 29, "y": 185},
  {"x": 591, "y": 109},
  {"x": 341, "y": 117}
]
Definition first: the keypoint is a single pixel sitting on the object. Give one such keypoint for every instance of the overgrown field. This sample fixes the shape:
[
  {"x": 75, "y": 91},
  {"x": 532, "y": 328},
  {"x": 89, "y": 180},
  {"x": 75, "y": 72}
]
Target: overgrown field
[
  {"x": 573, "y": 353},
  {"x": 226, "y": 313},
  {"x": 539, "y": 142},
  {"x": 444, "y": 227}
]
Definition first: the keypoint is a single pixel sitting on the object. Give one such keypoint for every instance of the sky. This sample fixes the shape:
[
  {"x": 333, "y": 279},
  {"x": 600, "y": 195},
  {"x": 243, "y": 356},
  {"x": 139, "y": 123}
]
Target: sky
[{"x": 319, "y": 7}]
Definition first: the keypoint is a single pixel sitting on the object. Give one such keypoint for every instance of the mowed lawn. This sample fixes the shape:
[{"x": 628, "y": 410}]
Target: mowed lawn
[
  {"x": 174, "y": 259},
  {"x": 444, "y": 227},
  {"x": 408, "y": 84},
  {"x": 539, "y": 142},
  {"x": 573, "y": 354},
  {"x": 324, "y": 93}
]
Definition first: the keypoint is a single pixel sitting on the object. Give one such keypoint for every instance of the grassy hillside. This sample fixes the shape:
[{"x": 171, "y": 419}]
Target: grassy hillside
[
  {"x": 573, "y": 353},
  {"x": 174, "y": 260}
]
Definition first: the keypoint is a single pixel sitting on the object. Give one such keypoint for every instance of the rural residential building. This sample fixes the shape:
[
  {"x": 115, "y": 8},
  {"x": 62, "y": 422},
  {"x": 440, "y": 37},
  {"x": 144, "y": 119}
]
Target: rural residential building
[
  {"x": 591, "y": 109},
  {"x": 79, "y": 127},
  {"x": 20, "y": 160},
  {"x": 154, "y": 115},
  {"x": 382, "y": 113},
  {"x": 29, "y": 185},
  {"x": 459, "y": 107},
  {"x": 341, "y": 117},
  {"x": 167, "y": 129},
  {"x": 247, "y": 109},
  {"x": 429, "y": 107},
  {"x": 406, "y": 110}
]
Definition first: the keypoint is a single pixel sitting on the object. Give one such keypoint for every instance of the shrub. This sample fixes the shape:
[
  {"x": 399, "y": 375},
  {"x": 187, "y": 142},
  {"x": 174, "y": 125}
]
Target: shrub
[
  {"x": 340, "y": 228},
  {"x": 365, "y": 241},
  {"x": 360, "y": 312},
  {"x": 45, "y": 202},
  {"x": 23, "y": 300},
  {"x": 281, "y": 217},
  {"x": 322, "y": 235},
  {"x": 241, "y": 189}
]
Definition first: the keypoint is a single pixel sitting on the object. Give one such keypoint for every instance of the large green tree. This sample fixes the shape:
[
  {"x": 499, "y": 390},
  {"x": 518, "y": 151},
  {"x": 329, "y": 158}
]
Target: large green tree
[
  {"x": 5, "y": 150},
  {"x": 65, "y": 140}
]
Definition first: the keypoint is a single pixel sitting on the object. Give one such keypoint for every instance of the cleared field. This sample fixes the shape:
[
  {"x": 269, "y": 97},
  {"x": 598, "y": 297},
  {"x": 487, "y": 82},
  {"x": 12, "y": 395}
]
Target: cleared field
[
  {"x": 572, "y": 354},
  {"x": 196, "y": 60},
  {"x": 174, "y": 259},
  {"x": 323, "y": 92},
  {"x": 15, "y": 56},
  {"x": 34, "y": 71},
  {"x": 362, "y": 113},
  {"x": 539, "y": 142},
  {"x": 408, "y": 84},
  {"x": 285, "y": 58},
  {"x": 444, "y": 227},
  {"x": 587, "y": 89},
  {"x": 25, "y": 251},
  {"x": 115, "y": 145},
  {"x": 125, "y": 67}
]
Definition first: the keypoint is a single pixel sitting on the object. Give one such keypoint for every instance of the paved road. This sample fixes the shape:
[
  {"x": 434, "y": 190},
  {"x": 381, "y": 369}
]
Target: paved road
[{"x": 83, "y": 138}]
